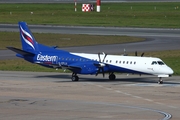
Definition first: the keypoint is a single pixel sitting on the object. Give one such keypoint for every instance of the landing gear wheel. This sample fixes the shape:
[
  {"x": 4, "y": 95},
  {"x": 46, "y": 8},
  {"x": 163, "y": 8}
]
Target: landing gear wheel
[
  {"x": 112, "y": 76},
  {"x": 75, "y": 77},
  {"x": 160, "y": 81}
]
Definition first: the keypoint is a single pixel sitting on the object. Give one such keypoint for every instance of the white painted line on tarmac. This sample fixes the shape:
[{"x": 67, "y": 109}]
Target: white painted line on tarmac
[
  {"x": 109, "y": 89},
  {"x": 149, "y": 100},
  {"x": 134, "y": 96},
  {"x": 99, "y": 86},
  {"x": 172, "y": 106},
  {"x": 118, "y": 91},
  {"x": 159, "y": 103},
  {"x": 137, "y": 97},
  {"x": 127, "y": 94}
]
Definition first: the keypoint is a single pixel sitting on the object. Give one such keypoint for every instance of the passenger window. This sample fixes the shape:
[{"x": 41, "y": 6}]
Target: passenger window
[
  {"x": 134, "y": 62},
  {"x": 120, "y": 62},
  {"x": 131, "y": 62},
  {"x": 116, "y": 61},
  {"x": 123, "y": 62},
  {"x": 110, "y": 61},
  {"x": 127, "y": 62},
  {"x": 106, "y": 60}
]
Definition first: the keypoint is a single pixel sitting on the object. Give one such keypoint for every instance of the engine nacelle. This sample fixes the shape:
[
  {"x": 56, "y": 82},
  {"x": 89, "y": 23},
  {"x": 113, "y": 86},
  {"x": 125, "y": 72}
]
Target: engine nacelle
[{"x": 89, "y": 69}]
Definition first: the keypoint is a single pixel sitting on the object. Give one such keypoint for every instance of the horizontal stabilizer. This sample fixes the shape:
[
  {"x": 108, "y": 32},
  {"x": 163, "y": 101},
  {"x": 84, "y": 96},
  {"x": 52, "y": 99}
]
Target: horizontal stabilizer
[{"x": 21, "y": 52}]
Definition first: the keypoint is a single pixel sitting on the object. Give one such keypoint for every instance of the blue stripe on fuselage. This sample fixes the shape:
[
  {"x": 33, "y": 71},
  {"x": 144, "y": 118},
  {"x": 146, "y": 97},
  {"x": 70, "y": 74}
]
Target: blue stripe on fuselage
[{"x": 124, "y": 70}]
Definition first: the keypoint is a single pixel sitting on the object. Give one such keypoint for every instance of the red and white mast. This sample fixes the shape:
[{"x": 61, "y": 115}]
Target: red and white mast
[
  {"x": 98, "y": 9},
  {"x": 75, "y": 5}
]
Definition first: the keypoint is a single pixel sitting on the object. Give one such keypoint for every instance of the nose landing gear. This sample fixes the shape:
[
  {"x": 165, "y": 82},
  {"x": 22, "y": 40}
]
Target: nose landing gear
[{"x": 160, "y": 80}]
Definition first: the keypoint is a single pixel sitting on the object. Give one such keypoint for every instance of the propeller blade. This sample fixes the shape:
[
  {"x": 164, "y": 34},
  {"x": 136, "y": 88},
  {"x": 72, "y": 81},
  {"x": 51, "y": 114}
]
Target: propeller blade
[
  {"x": 103, "y": 72},
  {"x": 104, "y": 57},
  {"x": 124, "y": 52},
  {"x": 136, "y": 53},
  {"x": 99, "y": 57},
  {"x": 98, "y": 72},
  {"x": 142, "y": 54}
]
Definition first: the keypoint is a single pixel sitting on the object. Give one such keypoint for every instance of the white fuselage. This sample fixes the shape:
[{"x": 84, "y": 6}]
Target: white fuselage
[{"x": 146, "y": 65}]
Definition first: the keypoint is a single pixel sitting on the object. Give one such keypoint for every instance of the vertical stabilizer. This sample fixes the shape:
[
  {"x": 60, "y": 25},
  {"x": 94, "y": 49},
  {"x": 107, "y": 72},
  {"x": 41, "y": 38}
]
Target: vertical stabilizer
[{"x": 27, "y": 39}]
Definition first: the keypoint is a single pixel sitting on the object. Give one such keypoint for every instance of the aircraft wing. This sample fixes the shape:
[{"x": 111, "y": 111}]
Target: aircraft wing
[
  {"x": 82, "y": 67},
  {"x": 72, "y": 67}
]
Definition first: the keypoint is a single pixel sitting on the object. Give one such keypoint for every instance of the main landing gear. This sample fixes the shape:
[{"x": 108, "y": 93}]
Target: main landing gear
[
  {"x": 74, "y": 77},
  {"x": 160, "y": 80},
  {"x": 112, "y": 76}
]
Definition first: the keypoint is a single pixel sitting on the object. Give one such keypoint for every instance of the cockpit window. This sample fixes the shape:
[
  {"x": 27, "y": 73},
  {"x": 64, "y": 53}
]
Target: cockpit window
[
  {"x": 160, "y": 63},
  {"x": 153, "y": 63},
  {"x": 157, "y": 62}
]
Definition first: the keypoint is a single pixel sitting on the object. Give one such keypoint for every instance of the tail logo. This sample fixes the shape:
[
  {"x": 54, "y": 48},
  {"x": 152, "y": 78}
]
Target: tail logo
[{"x": 27, "y": 37}]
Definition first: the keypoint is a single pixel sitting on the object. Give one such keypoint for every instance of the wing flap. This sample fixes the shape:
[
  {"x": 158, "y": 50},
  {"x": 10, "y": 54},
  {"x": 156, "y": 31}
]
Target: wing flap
[
  {"x": 71, "y": 67},
  {"x": 74, "y": 68},
  {"x": 48, "y": 64}
]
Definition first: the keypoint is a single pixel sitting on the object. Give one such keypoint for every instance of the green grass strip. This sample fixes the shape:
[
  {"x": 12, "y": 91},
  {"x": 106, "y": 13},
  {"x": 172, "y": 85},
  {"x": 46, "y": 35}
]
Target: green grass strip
[
  {"x": 64, "y": 40},
  {"x": 161, "y": 15}
]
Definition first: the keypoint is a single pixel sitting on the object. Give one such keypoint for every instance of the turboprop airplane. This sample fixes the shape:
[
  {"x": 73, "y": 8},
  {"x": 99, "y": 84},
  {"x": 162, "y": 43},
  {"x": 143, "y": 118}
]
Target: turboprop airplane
[{"x": 83, "y": 63}]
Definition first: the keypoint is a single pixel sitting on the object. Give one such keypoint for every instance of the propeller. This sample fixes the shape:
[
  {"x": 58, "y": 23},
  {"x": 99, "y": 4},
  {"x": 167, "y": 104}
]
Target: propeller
[
  {"x": 137, "y": 54},
  {"x": 142, "y": 54},
  {"x": 101, "y": 64}
]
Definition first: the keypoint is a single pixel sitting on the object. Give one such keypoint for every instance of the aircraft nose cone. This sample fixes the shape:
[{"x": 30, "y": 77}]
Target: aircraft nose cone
[{"x": 170, "y": 71}]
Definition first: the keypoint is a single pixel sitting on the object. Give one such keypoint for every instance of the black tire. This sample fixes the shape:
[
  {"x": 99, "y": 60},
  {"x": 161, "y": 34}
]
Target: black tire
[
  {"x": 160, "y": 82},
  {"x": 75, "y": 78},
  {"x": 112, "y": 77}
]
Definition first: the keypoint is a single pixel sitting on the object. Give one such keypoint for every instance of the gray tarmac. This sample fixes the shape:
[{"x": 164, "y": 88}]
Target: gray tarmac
[{"x": 45, "y": 96}]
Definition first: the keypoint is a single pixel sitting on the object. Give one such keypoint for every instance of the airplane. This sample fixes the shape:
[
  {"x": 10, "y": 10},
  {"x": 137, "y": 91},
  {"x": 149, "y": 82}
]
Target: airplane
[{"x": 86, "y": 63}]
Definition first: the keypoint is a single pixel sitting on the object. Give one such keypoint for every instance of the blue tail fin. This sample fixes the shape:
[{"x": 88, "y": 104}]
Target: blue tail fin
[{"x": 29, "y": 43}]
